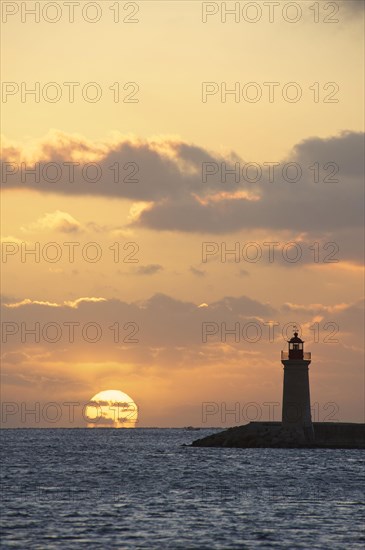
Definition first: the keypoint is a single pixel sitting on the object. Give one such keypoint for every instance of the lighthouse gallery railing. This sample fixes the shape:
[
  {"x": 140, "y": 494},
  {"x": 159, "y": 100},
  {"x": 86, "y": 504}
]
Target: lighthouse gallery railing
[{"x": 306, "y": 355}]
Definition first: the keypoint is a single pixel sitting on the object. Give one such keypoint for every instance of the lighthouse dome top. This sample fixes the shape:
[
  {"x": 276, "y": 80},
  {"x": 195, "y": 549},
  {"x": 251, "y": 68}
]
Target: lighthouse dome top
[{"x": 295, "y": 339}]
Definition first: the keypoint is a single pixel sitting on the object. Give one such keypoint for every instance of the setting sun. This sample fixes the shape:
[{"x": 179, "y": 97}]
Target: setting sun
[{"x": 111, "y": 409}]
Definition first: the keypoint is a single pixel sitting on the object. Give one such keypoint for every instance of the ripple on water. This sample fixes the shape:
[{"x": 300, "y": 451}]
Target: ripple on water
[{"x": 142, "y": 489}]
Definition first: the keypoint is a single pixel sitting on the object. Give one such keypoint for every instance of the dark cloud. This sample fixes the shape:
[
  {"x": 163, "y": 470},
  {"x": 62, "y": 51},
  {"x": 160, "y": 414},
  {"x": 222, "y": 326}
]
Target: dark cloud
[
  {"x": 346, "y": 150},
  {"x": 354, "y": 6},
  {"x": 197, "y": 272},
  {"x": 302, "y": 206},
  {"x": 317, "y": 309},
  {"x": 160, "y": 321},
  {"x": 150, "y": 269},
  {"x": 139, "y": 171},
  {"x": 242, "y": 306},
  {"x": 170, "y": 182}
]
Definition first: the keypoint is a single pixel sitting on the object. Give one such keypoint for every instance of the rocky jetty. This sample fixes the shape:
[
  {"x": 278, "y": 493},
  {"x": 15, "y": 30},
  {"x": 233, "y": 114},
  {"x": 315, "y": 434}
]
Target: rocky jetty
[{"x": 329, "y": 435}]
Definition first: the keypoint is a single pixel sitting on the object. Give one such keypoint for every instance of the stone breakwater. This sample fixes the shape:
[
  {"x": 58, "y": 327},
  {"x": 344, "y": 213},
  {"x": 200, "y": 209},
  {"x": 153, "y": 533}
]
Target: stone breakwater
[{"x": 331, "y": 435}]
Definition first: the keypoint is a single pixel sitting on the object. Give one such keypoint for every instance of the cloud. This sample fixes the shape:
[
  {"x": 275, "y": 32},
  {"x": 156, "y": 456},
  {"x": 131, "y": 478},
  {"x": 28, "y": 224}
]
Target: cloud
[
  {"x": 80, "y": 301},
  {"x": 353, "y": 6},
  {"x": 150, "y": 269},
  {"x": 169, "y": 194},
  {"x": 114, "y": 231},
  {"x": 11, "y": 239},
  {"x": 242, "y": 306},
  {"x": 197, "y": 272},
  {"x": 169, "y": 348},
  {"x": 15, "y": 357},
  {"x": 54, "y": 221},
  {"x": 165, "y": 332},
  {"x": 137, "y": 170},
  {"x": 160, "y": 322},
  {"x": 301, "y": 206},
  {"x": 28, "y": 301},
  {"x": 315, "y": 309}
]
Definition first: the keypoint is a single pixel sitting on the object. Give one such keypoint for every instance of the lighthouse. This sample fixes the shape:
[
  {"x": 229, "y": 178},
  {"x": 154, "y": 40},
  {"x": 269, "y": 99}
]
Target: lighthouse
[
  {"x": 296, "y": 411},
  {"x": 296, "y": 429}
]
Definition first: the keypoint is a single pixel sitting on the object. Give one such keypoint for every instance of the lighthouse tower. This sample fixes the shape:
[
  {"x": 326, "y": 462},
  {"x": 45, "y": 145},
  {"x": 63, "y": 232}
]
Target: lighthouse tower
[{"x": 296, "y": 397}]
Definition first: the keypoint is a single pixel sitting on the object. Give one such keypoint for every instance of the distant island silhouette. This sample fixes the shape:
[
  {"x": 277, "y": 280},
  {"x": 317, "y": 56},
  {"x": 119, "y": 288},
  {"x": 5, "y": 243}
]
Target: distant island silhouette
[{"x": 296, "y": 430}]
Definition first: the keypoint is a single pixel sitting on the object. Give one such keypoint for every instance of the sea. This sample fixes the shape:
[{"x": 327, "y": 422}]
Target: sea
[{"x": 143, "y": 488}]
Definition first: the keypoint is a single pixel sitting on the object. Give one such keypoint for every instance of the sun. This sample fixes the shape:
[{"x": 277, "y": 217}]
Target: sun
[{"x": 111, "y": 409}]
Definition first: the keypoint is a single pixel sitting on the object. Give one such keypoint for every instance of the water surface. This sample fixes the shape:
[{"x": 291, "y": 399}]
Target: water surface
[{"x": 105, "y": 488}]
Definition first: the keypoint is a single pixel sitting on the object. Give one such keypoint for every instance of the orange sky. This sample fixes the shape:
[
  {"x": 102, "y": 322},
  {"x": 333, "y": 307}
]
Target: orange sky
[{"x": 157, "y": 213}]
